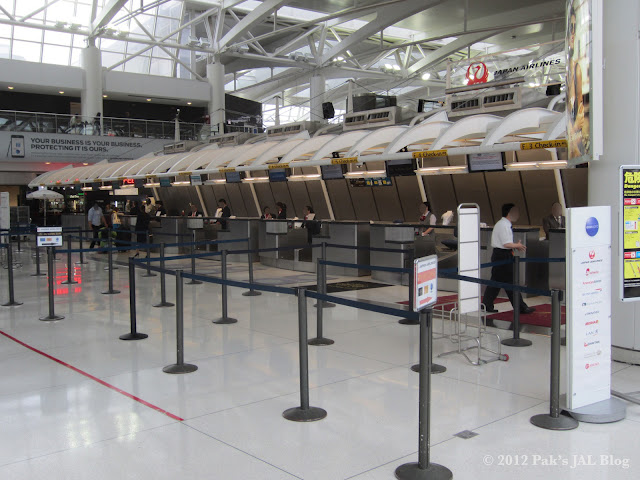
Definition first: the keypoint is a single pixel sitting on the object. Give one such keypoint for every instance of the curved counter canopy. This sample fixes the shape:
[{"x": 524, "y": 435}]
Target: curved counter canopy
[{"x": 472, "y": 134}]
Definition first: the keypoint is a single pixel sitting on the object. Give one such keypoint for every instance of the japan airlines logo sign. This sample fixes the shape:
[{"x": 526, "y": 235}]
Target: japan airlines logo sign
[{"x": 477, "y": 73}]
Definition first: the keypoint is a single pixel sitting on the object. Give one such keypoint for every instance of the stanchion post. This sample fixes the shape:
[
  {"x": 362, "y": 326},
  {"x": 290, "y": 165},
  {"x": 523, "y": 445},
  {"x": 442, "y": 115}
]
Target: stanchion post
[
  {"x": 322, "y": 284},
  {"x": 193, "y": 281},
  {"x": 424, "y": 469},
  {"x": 555, "y": 421},
  {"x": 149, "y": 273},
  {"x": 412, "y": 288},
  {"x": 251, "y": 292},
  {"x": 322, "y": 280},
  {"x": 516, "y": 341},
  {"x": 435, "y": 368},
  {"x": 52, "y": 278},
  {"x": 163, "y": 285},
  {"x": 179, "y": 366},
  {"x": 19, "y": 241},
  {"x": 38, "y": 272},
  {"x": 12, "y": 301},
  {"x": 303, "y": 413},
  {"x": 133, "y": 334},
  {"x": 69, "y": 280},
  {"x": 224, "y": 319},
  {"x": 111, "y": 291},
  {"x": 81, "y": 246}
]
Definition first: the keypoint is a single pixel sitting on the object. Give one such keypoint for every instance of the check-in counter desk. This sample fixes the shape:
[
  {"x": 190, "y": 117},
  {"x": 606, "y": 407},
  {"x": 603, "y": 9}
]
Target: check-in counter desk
[
  {"x": 239, "y": 229},
  {"x": 400, "y": 236},
  {"x": 530, "y": 238},
  {"x": 348, "y": 233},
  {"x": 282, "y": 233},
  {"x": 74, "y": 220}
]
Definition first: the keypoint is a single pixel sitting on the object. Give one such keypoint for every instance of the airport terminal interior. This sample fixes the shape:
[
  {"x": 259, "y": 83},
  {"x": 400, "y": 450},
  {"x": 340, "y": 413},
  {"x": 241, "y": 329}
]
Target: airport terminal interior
[{"x": 337, "y": 239}]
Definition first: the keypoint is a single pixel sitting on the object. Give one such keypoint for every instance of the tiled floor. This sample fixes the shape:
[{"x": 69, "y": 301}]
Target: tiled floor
[{"x": 60, "y": 424}]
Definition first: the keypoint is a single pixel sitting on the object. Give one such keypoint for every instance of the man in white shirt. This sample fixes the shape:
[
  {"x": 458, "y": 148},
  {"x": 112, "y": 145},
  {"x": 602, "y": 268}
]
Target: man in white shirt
[
  {"x": 503, "y": 247},
  {"x": 96, "y": 220}
]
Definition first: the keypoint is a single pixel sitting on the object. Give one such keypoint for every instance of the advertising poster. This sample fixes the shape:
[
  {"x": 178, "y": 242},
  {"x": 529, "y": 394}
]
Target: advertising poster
[
  {"x": 425, "y": 272},
  {"x": 588, "y": 306},
  {"x": 630, "y": 233}
]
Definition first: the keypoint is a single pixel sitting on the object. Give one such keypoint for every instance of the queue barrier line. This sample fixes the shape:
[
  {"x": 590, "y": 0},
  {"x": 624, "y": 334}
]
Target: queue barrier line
[
  {"x": 271, "y": 249},
  {"x": 365, "y": 267},
  {"x": 371, "y": 249},
  {"x": 186, "y": 256},
  {"x": 491, "y": 283},
  {"x": 364, "y": 306},
  {"x": 207, "y": 242},
  {"x": 543, "y": 260}
]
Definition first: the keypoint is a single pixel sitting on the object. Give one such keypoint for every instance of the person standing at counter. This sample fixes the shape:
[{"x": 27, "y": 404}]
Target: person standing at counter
[
  {"x": 503, "y": 247},
  {"x": 312, "y": 226},
  {"x": 223, "y": 212},
  {"x": 194, "y": 210},
  {"x": 554, "y": 220},
  {"x": 142, "y": 225},
  {"x": 96, "y": 220},
  {"x": 427, "y": 218},
  {"x": 160, "y": 212},
  {"x": 282, "y": 211},
  {"x": 115, "y": 219},
  {"x": 266, "y": 214}
]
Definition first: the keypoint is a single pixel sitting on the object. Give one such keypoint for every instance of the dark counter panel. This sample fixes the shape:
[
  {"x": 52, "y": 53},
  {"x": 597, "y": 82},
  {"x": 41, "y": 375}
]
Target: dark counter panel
[
  {"x": 364, "y": 203},
  {"x": 265, "y": 197},
  {"x": 316, "y": 195},
  {"x": 470, "y": 188},
  {"x": 388, "y": 201},
  {"x": 541, "y": 192},
  {"x": 236, "y": 201},
  {"x": 441, "y": 193},
  {"x": 281, "y": 193},
  {"x": 299, "y": 196},
  {"x": 505, "y": 187},
  {"x": 249, "y": 202},
  {"x": 341, "y": 199},
  {"x": 409, "y": 195},
  {"x": 575, "y": 183}
]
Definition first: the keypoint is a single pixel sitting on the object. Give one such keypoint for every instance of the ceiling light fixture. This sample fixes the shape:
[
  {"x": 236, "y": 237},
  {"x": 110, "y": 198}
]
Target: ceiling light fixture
[
  {"x": 366, "y": 173},
  {"x": 148, "y": 99},
  {"x": 10, "y": 88},
  {"x": 61, "y": 92},
  {"x": 426, "y": 76}
]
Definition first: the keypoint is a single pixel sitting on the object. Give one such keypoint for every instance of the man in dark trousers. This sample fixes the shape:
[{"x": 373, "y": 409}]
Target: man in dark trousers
[{"x": 503, "y": 247}]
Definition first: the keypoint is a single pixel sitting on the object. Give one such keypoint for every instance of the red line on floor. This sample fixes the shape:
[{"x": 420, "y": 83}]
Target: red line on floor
[{"x": 96, "y": 379}]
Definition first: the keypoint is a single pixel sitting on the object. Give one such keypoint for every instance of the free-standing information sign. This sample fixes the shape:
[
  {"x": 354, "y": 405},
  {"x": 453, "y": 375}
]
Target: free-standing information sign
[
  {"x": 425, "y": 276},
  {"x": 629, "y": 231},
  {"x": 49, "y": 236},
  {"x": 588, "y": 258}
]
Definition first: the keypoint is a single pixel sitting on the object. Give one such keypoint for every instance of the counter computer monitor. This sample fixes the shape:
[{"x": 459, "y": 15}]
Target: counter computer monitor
[
  {"x": 486, "y": 162},
  {"x": 234, "y": 177},
  {"x": 333, "y": 172},
  {"x": 278, "y": 175},
  {"x": 400, "y": 168},
  {"x": 196, "y": 179},
  {"x": 165, "y": 181}
]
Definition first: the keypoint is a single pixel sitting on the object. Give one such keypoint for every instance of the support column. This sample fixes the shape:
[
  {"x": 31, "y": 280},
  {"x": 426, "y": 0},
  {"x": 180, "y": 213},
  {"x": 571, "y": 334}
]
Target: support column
[
  {"x": 317, "y": 90},
  {"x": 350, "y": 96},
  {"x": 91, "y": 95},
  {"x": 215, "y": 76},
  {"x": 621, "y": 146},
  {"x": 277, "y": 120}
]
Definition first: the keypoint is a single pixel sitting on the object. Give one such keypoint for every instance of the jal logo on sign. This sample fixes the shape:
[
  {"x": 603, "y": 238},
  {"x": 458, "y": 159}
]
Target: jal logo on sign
[
  {"x": 592, "y": 254},
  {"x": 591, "y": 365},
  {"x": 477, "y": 73},
  {"x": 592, "y": 226}
]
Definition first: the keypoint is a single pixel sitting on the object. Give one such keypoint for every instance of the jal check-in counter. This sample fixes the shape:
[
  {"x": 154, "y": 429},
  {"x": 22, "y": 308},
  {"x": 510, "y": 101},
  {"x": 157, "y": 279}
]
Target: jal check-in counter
[
  {"x": 240, "y": 229},
  {"x": 285, "y": 233},
  {"x": 408, "y": 243},
  {"x": 349, "y": 234}
]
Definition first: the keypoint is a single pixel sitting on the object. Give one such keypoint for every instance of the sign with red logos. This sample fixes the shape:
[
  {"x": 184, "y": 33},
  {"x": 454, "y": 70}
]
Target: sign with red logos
[
  {"x": 477, "y": 73},
  {"x": 425, "y": 276}
]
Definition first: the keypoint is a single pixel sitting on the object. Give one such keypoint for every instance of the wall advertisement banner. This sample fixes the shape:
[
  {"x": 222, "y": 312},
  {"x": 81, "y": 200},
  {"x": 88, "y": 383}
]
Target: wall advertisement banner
[
  {"x": 629, "y": 232},
  {"x": 52, "y": 147},
  {"x": 588, "y": 256}
]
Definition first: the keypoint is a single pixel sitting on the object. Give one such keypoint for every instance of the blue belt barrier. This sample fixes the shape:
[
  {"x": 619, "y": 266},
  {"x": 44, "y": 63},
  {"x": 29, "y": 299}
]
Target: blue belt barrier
[
  {"x": 543, "y": 260},
  {"x": 207, "y": 242},
  {"x": 506, "y": 286},
  {"x": 363, "y": 306},
  {"x": 366, "y": 267},
  {"x": 234, "y": 283},
  {"x": 373, "y": 249}
]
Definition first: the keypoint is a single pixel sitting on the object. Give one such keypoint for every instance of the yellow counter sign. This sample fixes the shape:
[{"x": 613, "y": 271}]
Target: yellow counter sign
[
  {"x": 224, "y": 170},
  {"x": 430, "y": 154},
  {"x": 277, "y": 166},
  {"x": 344, "y": 161},
  {"x": 546, "y": 144}
]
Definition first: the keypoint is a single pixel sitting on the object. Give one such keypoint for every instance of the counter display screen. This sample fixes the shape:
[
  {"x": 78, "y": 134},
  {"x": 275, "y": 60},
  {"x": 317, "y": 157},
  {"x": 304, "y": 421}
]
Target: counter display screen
[
  {"x": 486, "y": 162},
  {"x": 139, "y": 182},
  {"x": 195, "y": 179},
  {"x": 278, "y": 175},
  {"x": 400, "y": 168},
  {"x": 631, "y": 232},
  {"x": 234, "y": 177},
  {"x": 333, "y": 172},
  {"x": 165, "y": 181}
]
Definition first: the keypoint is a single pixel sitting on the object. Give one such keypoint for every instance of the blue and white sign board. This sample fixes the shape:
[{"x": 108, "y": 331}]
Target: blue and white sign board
[
  {"x": 49, "y": 236},
  {"x": 425, "y": 276},
  {"x": 588, "y": 257}
]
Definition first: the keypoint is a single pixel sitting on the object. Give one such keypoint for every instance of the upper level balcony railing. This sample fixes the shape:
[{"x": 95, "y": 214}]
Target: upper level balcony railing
[{"x": 16, "y": 121}]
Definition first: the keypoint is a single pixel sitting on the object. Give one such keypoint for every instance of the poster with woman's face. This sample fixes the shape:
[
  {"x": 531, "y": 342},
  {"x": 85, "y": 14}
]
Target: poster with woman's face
[{"x": 578, "y": 85}]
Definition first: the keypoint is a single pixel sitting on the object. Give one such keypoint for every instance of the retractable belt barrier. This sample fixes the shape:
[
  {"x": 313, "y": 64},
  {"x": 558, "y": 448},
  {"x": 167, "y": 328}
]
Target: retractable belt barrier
[
  {"x": 366, "y": 267},
  {"x": 372, "y": 249}
]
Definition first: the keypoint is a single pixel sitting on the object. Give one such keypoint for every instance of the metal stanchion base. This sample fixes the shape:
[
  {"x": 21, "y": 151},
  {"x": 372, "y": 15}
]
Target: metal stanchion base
[
  {"x": 67, "y": 282},
  {"x": 51, "y": 318},
  {"x": 311, "y": 414},
  {"x": 111, "y": 292},
  {"x": 177, "y": 368},
  {"x": 107, "y": 268},
  {"x": 561, "y": 422},
  {"x": 39, "y": 274},
  {"x": 164, "y": 304},
  {"x": 193, "y": 282},
  {"x": 408, "y": 321},
  {"x": 252, "y": 293},
  {"x": 149, "y": 275},
  {"x": 435, "y": 368},
  {"x": 516, "y": 342},
  {"x": 225, "y": 320},
  {"x": 607, "y": 411},
  {"x": 81, "y": 263},
  {"x": 412, "y": 471},
  {"x": 133, "y": 336},
  {"x": 11, "y": 304},
  {"x": 318, "y": 341},
  {"x": 326, "y": 305}
]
